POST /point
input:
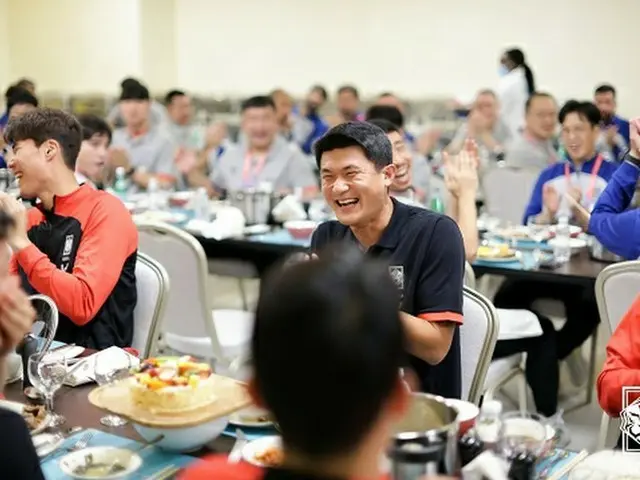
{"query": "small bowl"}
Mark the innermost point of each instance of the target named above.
(180, 199)
(187, 439)
(300, 229)
(101, 455)
(467, 414)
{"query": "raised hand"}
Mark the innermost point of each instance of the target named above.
(634, 143)
(550, 199)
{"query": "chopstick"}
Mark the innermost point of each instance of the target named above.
(165, 473)
(561, 472)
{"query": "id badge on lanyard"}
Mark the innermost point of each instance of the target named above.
(588, 196)
(251, 170)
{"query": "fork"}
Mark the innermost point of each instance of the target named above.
(79, 445)
(165, 473)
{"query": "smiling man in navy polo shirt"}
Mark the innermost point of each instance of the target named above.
(424, 249)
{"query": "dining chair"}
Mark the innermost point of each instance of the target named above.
(152, 285)
(507, 192)
(478, 336)
(45, 325)
(190, 325)
(617, 287)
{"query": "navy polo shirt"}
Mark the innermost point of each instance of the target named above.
(425, 254)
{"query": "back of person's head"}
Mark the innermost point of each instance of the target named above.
(605, 88)
(20, 96)
(388, 112)
(93, 125)
(587, 111)
(173, 94)
(12, 90)
(327, 347)
(349, 89)
(128, 82)
(48, 124)
(135, 91)
(385, 125)
(259, 101)
(26, 84)
(321, 90)
(371, 139)
(518, 59)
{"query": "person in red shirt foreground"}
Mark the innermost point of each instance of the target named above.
(327, 349)
(622, 366)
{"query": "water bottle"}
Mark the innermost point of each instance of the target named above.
(436, 204)
(201, 205)
(562, 240)
(121, 184)
(152, 189)
(489, 427)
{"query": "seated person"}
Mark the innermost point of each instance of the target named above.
(348, 106)
(423, 249)
(483, 125)
(78, 244)
(355, 393)
(19, 102)
(158, 112)
(581, 176)
(142, 149)
(534, 147)
(263, 156)
(536, 336)
(310, 114)
(94, 152)
(622, 365)
(614, 130)
(412, 182)
(17, 453)
(611, 223)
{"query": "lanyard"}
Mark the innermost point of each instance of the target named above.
(252, 168)
(593, 177)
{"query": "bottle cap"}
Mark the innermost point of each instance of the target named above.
(120, 171)
(492, 407)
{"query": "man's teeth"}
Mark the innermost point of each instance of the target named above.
(344, 203)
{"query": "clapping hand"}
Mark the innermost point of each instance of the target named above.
(610, 134)
(461, 171)
(634, 143)
(550, 199)
(16, 314)
(17, 235)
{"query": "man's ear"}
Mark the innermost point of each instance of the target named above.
(389, 173)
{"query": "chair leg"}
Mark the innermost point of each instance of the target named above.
(522, 393)
(588, 395)
(603, 432)
(243, 295)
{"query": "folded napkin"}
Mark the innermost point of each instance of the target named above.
(486, 465)
(515, 323)
(229, 222)
(82, 371)
(289, 209)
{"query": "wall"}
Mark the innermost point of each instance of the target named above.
(416, 48)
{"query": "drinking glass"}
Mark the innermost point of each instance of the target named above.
(47, 376)
(538, 233)
(108, 369)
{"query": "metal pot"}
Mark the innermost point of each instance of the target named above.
(255, 205)
(425, 442)
(599, 253)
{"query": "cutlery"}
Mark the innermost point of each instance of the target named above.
(236, 452)
(165, 473)
(570, 465)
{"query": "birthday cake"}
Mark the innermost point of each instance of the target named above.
(172, 384)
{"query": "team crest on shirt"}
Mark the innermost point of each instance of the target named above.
(397, 275)
(68, 245)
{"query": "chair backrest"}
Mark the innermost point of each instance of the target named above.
(478, 337)
(617, 286)
(507, 192)
(45, 325)
(469, 276)
(188, 311)
(152, 284)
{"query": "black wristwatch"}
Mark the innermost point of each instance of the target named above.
(631, 159)
(130, 172)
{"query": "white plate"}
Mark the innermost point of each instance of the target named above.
(161, 216)
(18, 407)
(257, 229)
(257, 447)
(101, 455)
(574, 243)
(46, 443)
(249, 418)
(67, 352)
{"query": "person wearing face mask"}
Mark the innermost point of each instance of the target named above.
(516, 85)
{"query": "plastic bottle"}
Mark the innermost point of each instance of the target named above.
(489, 426)
(121, 184)
(201, 205)
(152, 189)
(436, 204)
(469, 447)
(562, 241)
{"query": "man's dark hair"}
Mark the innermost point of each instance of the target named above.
(173, 94)
(327, 347)
(388, 112)
(128, 82)
(135, 91)
(45, 124)
(94, 125)
(321, 90)
(605, 88)
(259, 101)
(20, 96)
(26, 84)
(349, 89)
(535, 95)
(585, 110)
(12, 90)
(385, 125)
(371, 139)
